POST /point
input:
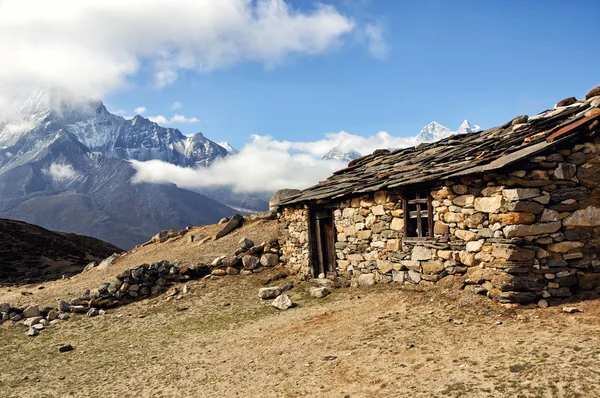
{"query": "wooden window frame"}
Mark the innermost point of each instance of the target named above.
(418, 201)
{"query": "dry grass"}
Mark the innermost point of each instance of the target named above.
(179, 251)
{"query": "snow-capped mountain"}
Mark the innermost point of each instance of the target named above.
(230, 149)
(435, 131)
(336, 154)
(466, 127)
(67, 169)
(111, 135)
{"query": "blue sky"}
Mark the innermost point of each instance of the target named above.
(486, 61)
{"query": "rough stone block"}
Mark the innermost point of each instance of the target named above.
(588, 217)
(421, 253)
(467, 236)
(512, 218)
(512, 231)
(489, 204)
(520, 193)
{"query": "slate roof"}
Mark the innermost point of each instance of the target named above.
(459, 155)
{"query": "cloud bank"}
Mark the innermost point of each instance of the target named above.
(93, 47)
(266, 164)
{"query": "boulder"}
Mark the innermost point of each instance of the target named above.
(512, 231)
(366, 279)
(107, 262)
(4, 308)
(235, 222)
(167, 234)
(593, 93)
(282, 302)
(63, 306)
(319, 292)
(280, 196)
(269, 292)
(31, 311)
(269, 259)
(32, 321)
(230, 261)
(250, 262)
(232, 271)
(90, 266)
(566, 102)
(92, 312)
(245, 243)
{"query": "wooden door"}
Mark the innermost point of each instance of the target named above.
(323, 243)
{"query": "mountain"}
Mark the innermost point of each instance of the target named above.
(69, 171)
(336, 154)
(31, 254)
(466, 127)
(230, 150)
(435, 131)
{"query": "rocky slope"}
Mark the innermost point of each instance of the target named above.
(31, 254)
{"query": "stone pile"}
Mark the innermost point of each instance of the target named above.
(247, 259)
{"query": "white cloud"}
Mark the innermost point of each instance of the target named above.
(61, 171)
(377, 45)
(177, 118)
(119, 112)
(176, 105)
(93, 47)
(139, 110)
(266, 164)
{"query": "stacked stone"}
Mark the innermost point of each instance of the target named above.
(368, 234)
(134, 283)
(293, 233)
(530, 233)
(248, 259)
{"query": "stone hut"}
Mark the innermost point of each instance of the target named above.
(512, 212)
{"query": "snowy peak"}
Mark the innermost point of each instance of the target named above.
(336, 154)
(435, 131)
(466, 127)
(230, 149)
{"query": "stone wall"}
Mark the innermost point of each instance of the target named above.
(293, 240)
(531, 232)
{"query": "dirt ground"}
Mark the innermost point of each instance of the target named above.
(221, 340)
(385, 341)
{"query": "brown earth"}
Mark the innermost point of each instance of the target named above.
(384, 341)
(29, 253)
